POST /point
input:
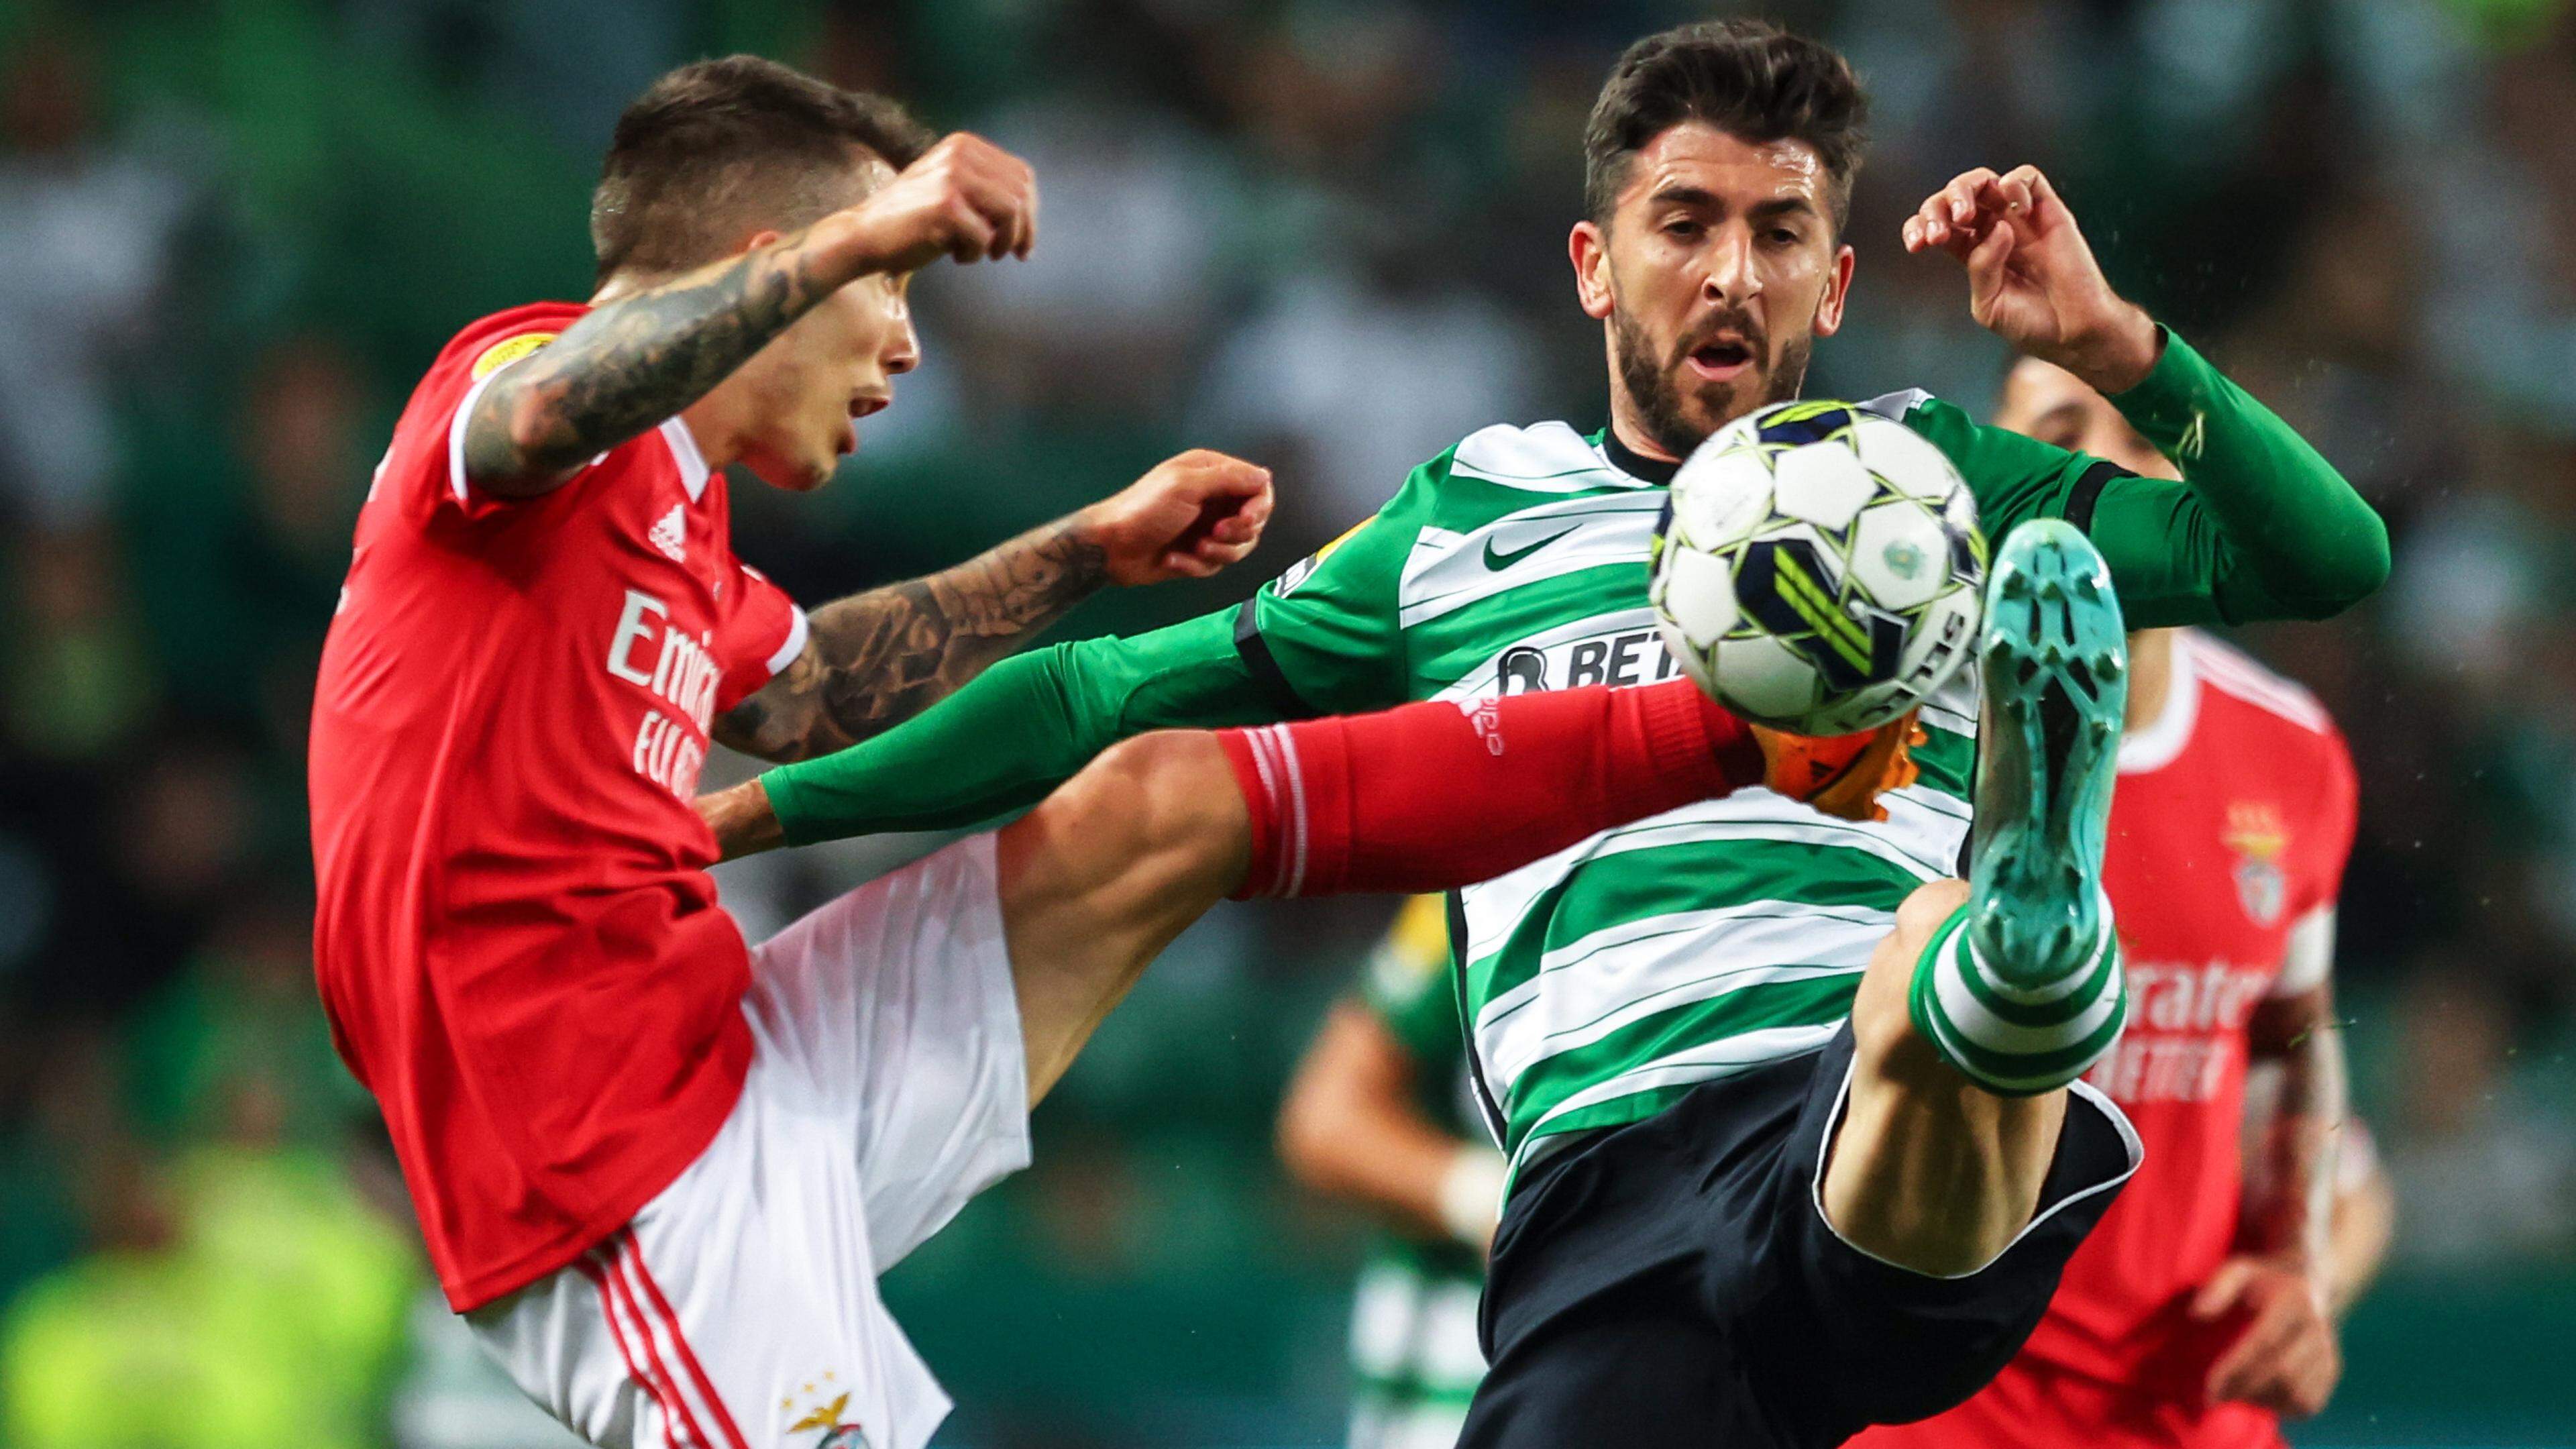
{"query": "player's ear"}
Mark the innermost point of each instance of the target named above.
(759, 239)
(1589, 249)
(1829, 308)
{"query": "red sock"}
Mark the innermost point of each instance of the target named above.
(1436, 796)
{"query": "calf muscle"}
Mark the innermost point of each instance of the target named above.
(1928, 1170)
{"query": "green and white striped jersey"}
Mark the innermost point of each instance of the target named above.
(1604, 981)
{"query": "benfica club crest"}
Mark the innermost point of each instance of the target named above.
(837, 1433)
(2257, 836)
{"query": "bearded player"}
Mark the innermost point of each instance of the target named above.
(658, 1171)
(2202, 1310)
(1796, 1138)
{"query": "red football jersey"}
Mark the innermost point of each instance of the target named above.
(517, 941)
(2234, 813)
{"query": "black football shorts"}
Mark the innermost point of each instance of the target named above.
(1673, 1282)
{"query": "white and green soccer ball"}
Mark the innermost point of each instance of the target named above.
(1818, 568)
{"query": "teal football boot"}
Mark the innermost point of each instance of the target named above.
(2022, 989)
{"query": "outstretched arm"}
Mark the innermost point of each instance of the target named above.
(636, 360)
(876, 659)
(1323, 639)
(1350, 1127)
(2262, 526)
(873, 660)
(1001, 743)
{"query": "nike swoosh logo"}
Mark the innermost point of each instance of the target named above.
(1498, 561)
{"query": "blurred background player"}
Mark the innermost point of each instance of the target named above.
(2202, 1310)
(1382, 1113)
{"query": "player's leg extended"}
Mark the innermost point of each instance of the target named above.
(1101, 876)
(1104, 874)
(1991, 995)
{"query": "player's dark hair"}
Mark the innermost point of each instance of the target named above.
(1748, 78)
(720, 148)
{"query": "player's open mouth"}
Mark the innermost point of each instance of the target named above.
(861, 406)
(1721, 361)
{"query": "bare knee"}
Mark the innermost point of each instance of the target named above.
(1923, 911)
(1096, 881)
(1177, 794)
(1146, 767)
(1151, 811)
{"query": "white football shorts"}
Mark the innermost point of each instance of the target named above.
(739, 1309)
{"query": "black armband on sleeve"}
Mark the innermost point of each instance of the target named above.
(2087, 492)
(1266, 674)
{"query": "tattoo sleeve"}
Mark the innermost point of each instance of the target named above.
(2290, 1181)
(876, 659)
(631, 364)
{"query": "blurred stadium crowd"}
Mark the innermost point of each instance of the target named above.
(1327, 234)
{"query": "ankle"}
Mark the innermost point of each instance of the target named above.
(2016, 1040)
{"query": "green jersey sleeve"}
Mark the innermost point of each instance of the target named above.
(1407, 986)
(2261, 527)
(1017, 731)
(1327, 634)
(1321, 639)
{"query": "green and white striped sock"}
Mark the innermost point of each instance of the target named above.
(2018, 1040)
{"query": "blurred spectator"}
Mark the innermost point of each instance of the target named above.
(234, 1292)
(1103, 315)
(79, 684)
(58, 1118)
(243, 544)
(235, 1297)
(2473, 586)
(185, 833)
(2484, 1179)
(236, 1046)
(1348, 380)
(86, 226)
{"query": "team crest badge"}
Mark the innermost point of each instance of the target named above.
(2256, 834)
(838, 1433)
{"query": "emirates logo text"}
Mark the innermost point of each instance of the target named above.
(683, 673)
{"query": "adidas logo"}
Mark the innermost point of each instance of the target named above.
(671, 535)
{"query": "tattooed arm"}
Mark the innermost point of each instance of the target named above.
(876, 659)
(640, 358)
(630, 364)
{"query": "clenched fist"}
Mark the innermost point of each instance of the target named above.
(966, 199)
(2032, 280)
(1189, 517)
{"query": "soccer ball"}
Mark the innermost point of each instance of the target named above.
(1818, 568)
